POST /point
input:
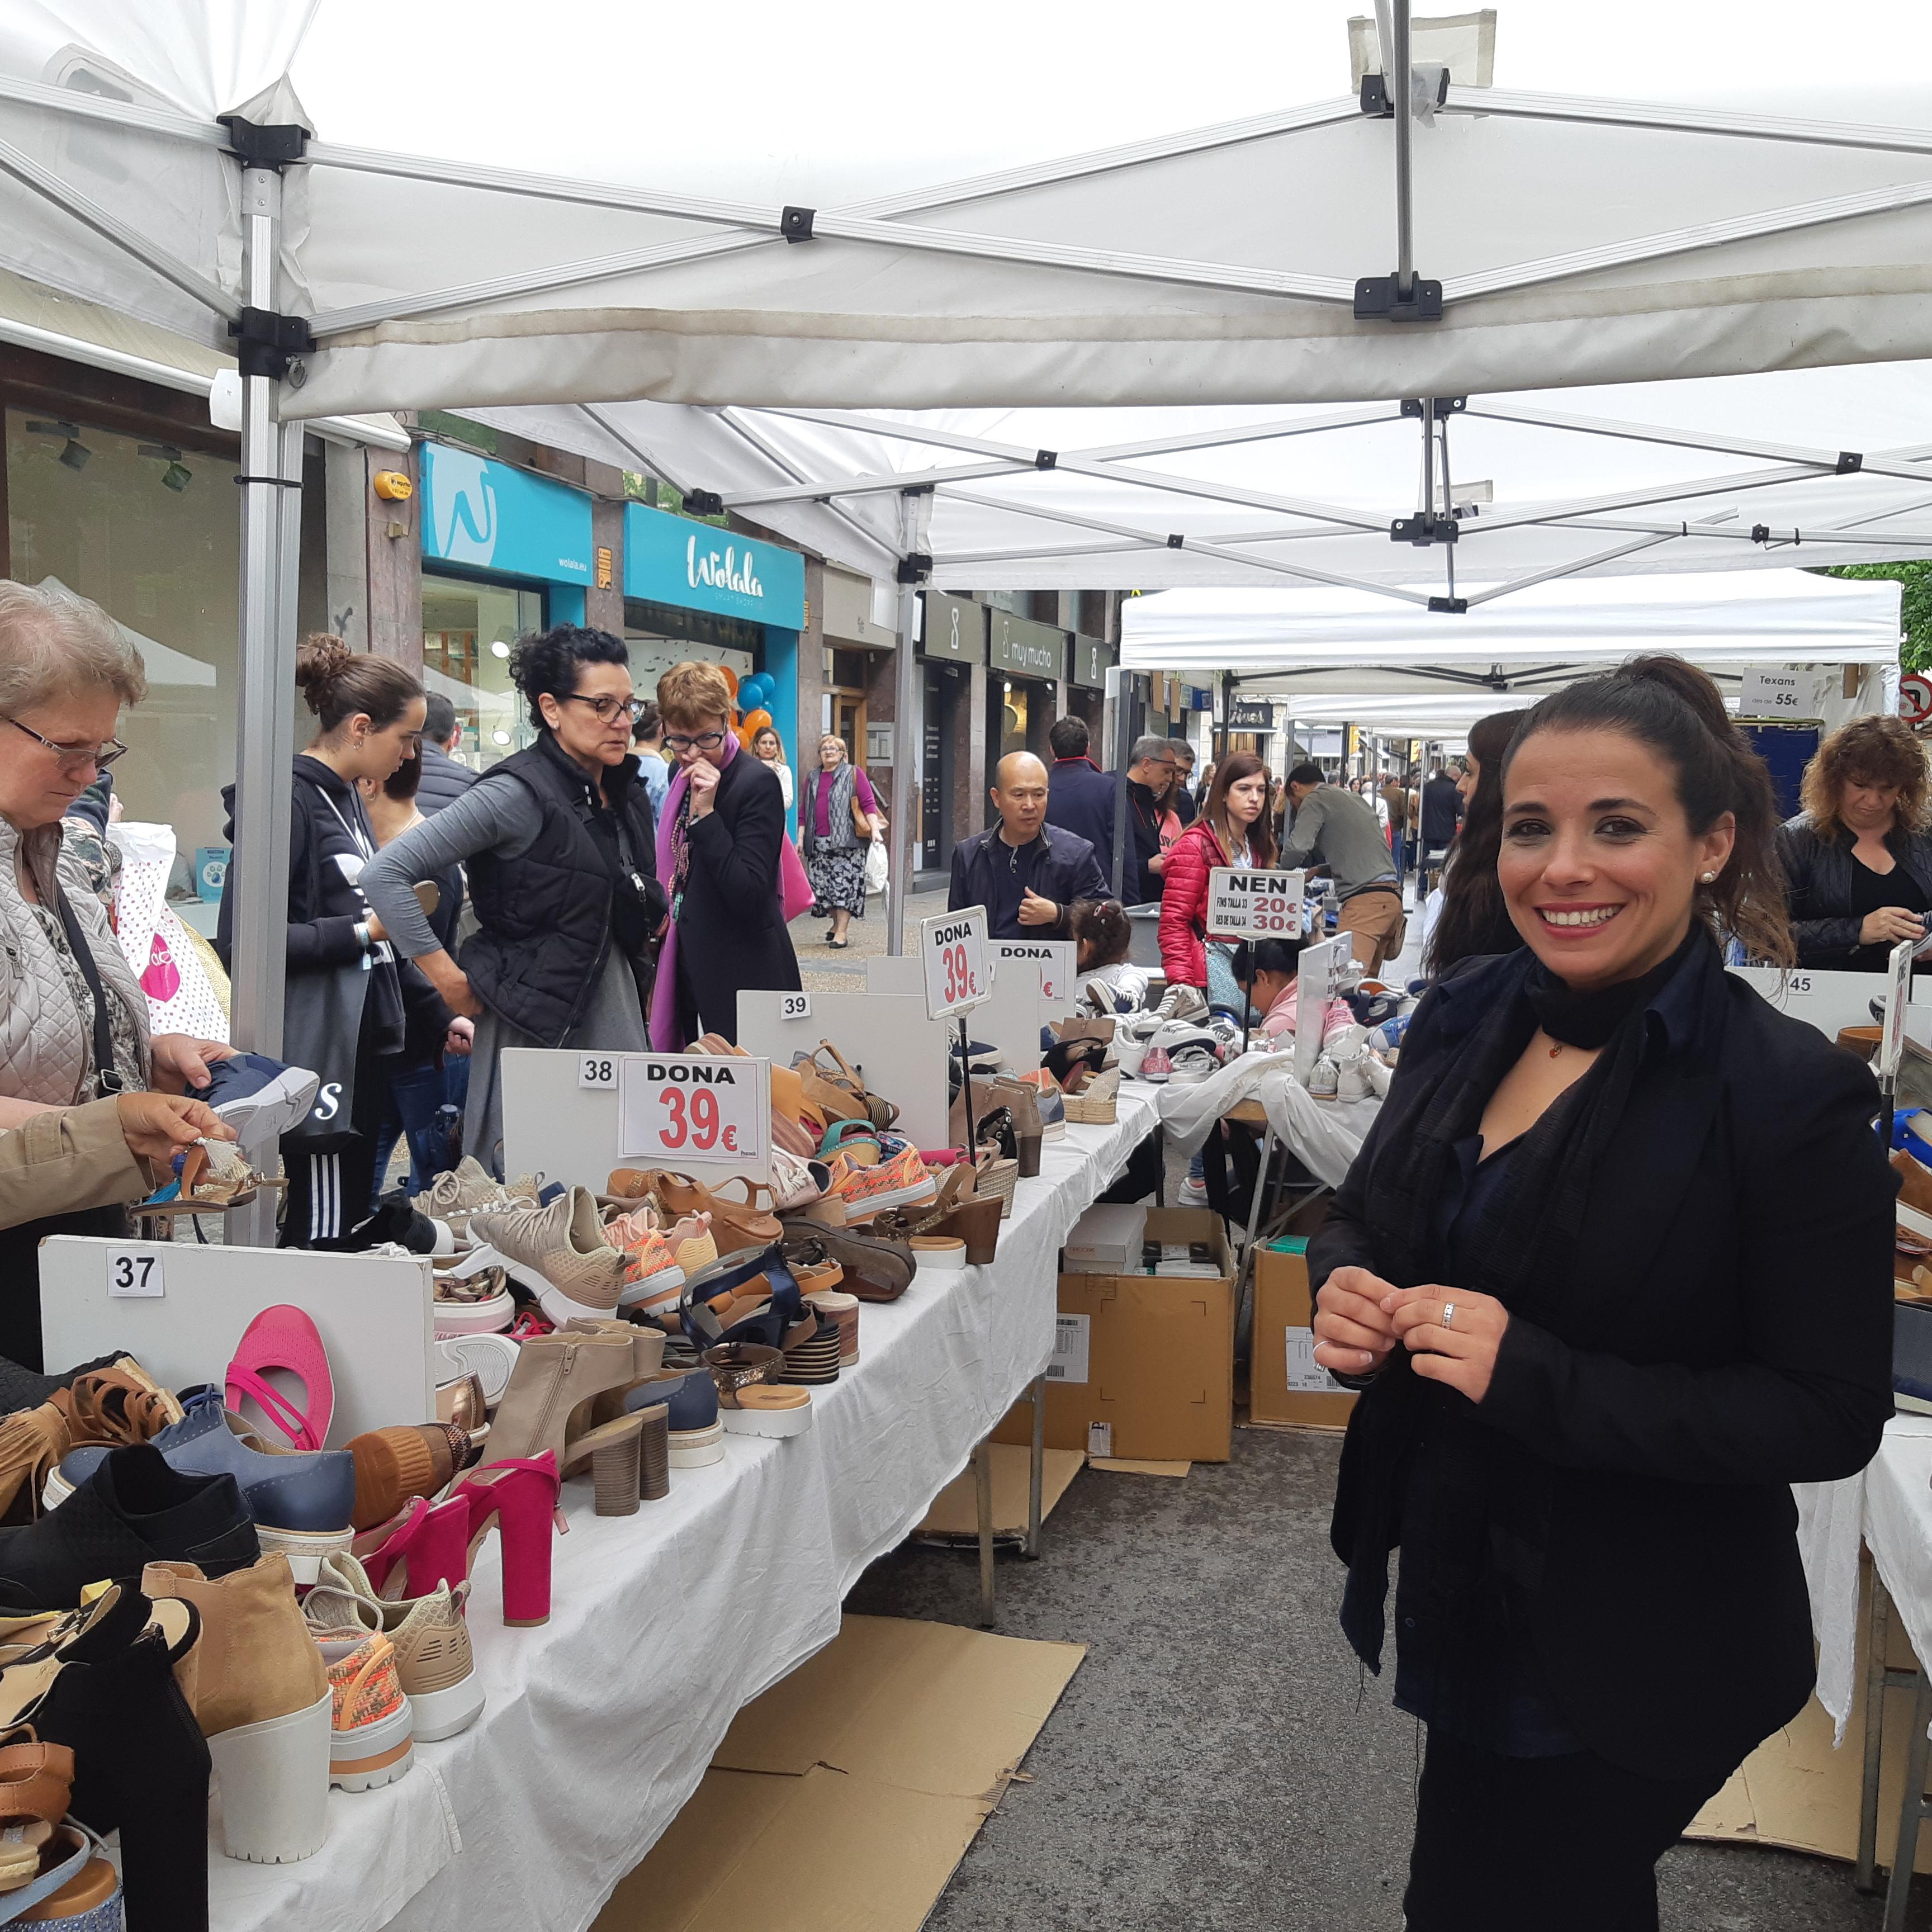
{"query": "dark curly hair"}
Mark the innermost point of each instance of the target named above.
(1873, 751)
(550, 661)
(1102, 925)
(1674, 709)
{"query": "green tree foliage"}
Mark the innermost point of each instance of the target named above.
(1915, 604)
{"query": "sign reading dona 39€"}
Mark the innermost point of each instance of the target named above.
(691, 1112)
(1242, 904)
(952, 953)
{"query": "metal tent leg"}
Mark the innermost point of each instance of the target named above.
(982, 1487)
(1036, 1472)
(1864, 1873)
(1913, 1809)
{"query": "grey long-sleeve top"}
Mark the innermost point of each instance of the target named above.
(1338, 830)
(499, 818)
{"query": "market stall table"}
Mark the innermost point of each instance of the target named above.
(600, 1723)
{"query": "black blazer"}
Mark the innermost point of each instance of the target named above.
(1818, 884)
(730, 929)
(1725, 1331)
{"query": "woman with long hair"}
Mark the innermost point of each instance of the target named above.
(1473, 919)
(1233, 829)
(1612, 1270)
(768, 748)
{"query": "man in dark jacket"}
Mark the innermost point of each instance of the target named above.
(1027, 875)
(1081, 797)
(1186, 806)
(1150, 778)
(1440, 803)
(444, 781)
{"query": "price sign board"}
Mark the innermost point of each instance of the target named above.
(1898, 992)
(1778, 694)
(1914, 698)
(692, 1113)
(1053, 957)
(1321, 968)
(1242, 904)
(957, 960)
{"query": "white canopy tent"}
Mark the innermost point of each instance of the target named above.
(1431, 238)
(1331, 656)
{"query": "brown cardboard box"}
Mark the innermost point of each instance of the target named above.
(1282, 1366)
(1158, 1367)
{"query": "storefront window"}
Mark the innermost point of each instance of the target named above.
(660, 635)
(468, 629)
(1013, 717)
(150, 533)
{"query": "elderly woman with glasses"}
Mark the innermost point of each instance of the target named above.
(73, 1021)
(719, 852)
(560, 845)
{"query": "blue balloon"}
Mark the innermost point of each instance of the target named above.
(755, 693)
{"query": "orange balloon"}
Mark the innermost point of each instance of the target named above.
(731, 679)
(754, 722)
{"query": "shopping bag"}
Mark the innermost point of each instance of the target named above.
(875, 866)
(795, 892)
(184, 995)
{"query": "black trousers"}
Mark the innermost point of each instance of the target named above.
(1529, 1844)
(20, 1275)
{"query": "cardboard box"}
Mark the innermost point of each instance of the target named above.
(1106, 1240)
(1144, 1365)
(1285, 1385)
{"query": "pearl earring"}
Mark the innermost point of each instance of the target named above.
(1706, 878)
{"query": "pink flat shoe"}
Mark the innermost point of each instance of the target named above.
(283, 1337)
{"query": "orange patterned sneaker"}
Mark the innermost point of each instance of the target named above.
(370, 1742)
(434, 1663)
(900, 1181)
(652, 1271)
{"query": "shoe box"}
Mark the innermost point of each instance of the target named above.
(1286, 1385)
(1143, 1364)
(1106, 1239)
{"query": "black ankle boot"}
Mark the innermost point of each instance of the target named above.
(141, 1765)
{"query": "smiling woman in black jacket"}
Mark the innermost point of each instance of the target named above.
(1613, 1269)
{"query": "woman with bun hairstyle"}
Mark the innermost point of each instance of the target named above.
(1613, 1270)
(558, 840)
(348, 1003)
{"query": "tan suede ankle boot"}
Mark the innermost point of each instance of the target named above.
(259, 1690)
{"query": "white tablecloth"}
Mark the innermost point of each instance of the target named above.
(600, 1724)
(1324, 1135)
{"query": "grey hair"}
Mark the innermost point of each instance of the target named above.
(1151, 747)
(53, 642)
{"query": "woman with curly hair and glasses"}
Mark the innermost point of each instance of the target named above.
(1858, 860)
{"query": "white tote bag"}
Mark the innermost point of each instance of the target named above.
(875, 865)
(181, 998)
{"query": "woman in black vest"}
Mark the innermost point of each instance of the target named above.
(559, 845)
(1613, 1270)
(718, 851)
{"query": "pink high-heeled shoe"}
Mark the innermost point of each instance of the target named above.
(521, 1494)
(426, 1543)
(284, 1337)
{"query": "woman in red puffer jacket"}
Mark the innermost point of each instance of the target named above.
(1233, 829)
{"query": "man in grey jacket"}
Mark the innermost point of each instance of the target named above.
(1340, 830)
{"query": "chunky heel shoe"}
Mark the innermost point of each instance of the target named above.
(409, 1554)
(520, 1497)
(615, 1453)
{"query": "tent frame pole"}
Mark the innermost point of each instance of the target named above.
(1398, 83)
(905, 684)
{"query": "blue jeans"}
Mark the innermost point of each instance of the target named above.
(418, 1095)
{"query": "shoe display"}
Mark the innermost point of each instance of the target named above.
(473, 1300)
(843, 1309)
(1156, 1068)
(764, 1409)
(371, 1739)
(260, 1694)
(689, 1396)
(872, 1266)
(519, 1495)
(261, 1098)
(300, 1500)
(283, 1338)
(491, 1359)
(900, 1180)
(735, 1225)
(393, 1465)
(750, 1297)
(559, 1253)
(424, 1544)
(469, 1189)
(548, 1408)
(435, 1664)
(131, 1511)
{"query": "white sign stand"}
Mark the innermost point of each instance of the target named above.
(1244, 903)
(1320, 966)
(1830, 1000)
(1055, 958)
(375, 1314)
(900, 1051)
(574, 1117)
(954, 959)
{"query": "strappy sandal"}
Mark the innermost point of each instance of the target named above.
(842, 1095)
(36, 1780)
(735, 1225)
(284, 1337)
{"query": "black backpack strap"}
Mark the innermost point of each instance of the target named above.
(107, 1081)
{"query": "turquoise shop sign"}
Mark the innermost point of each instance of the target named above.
(493, 517)
(671, 560)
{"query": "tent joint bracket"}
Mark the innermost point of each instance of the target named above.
(795, 223)
(915, 568)
(1383, 299)
(255, 146)
(265, 344)
(1456, 606)
(1425, 529)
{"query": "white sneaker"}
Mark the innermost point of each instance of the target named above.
(1193, 1193)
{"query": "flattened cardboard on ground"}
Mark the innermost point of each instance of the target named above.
(844, 1797)
(1160, 1358)
(955, 1514)
(1795, 1791)
(1114, 1466)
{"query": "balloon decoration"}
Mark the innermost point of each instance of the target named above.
(755, 721)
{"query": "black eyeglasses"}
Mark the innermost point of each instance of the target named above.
(100, 756)
(607, 708)
(705, 741)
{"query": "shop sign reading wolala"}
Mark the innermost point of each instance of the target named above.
(720, 570)
(671, 560)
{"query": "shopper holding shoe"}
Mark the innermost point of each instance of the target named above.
(558, 842)
(1858, 860)
(1613, 1270)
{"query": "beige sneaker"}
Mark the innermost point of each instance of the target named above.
(431, 1642)
(560, 1252)
(468, 1188)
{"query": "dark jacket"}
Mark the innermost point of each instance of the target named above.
(731, 934)
(1144, 812)
(548, 917)
(1725, 1331)
(443, 781)
(1069, 872)
(1818, 886)
(1441, 805)
(1081, 798)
